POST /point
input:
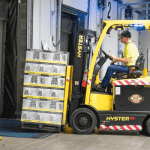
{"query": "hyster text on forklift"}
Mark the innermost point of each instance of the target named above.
(125, 105)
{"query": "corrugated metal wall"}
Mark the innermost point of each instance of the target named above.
(22, 47)
(3, 18)
(10, 86)
(2, 61)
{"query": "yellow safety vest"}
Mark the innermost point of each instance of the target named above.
(131, 52)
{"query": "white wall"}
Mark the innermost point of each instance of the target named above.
(134, 33)
(110, 43)
(44, 23)
(93, 15)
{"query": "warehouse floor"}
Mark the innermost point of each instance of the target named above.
(99, 140)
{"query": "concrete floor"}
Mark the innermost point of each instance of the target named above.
(101, 140)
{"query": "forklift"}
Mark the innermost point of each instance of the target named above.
(125, 105)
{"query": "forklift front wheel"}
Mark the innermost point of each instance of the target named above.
(148, 126)
(83, 121)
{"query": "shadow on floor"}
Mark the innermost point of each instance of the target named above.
(11, 128)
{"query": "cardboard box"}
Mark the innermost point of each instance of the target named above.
(44, 80)
(31, 67)
(43, 104)
(43, 92)
(58, 69)
(46, 68)
(45, 117)
(47, 56)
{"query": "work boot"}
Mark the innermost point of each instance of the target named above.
(99, 87)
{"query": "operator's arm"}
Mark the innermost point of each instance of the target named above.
(123, 60)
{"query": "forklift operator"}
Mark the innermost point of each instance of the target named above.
(129, 58)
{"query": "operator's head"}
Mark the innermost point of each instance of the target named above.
(125, 36)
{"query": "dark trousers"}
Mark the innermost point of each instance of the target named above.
(110, 70)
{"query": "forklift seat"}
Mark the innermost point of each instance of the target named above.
(133, 73)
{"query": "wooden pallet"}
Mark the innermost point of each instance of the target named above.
(40, 126)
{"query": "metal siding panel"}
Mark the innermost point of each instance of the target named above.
(36, 24)
(53, 24)
(44, 24)
(1, 54)
(45, 21)
(4, 10)
(21, 49)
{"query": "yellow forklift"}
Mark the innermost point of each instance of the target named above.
(125, 105)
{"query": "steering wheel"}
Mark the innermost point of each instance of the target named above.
(107, 56)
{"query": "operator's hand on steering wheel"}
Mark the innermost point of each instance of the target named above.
(112, 56)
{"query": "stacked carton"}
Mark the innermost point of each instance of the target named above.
(44, 87)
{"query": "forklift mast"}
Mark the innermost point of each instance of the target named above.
(81, 61)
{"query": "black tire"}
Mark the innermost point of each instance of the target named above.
(147, 126)
(83, 121)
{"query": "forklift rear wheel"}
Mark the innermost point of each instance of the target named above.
(148, 126)
(83, 121)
